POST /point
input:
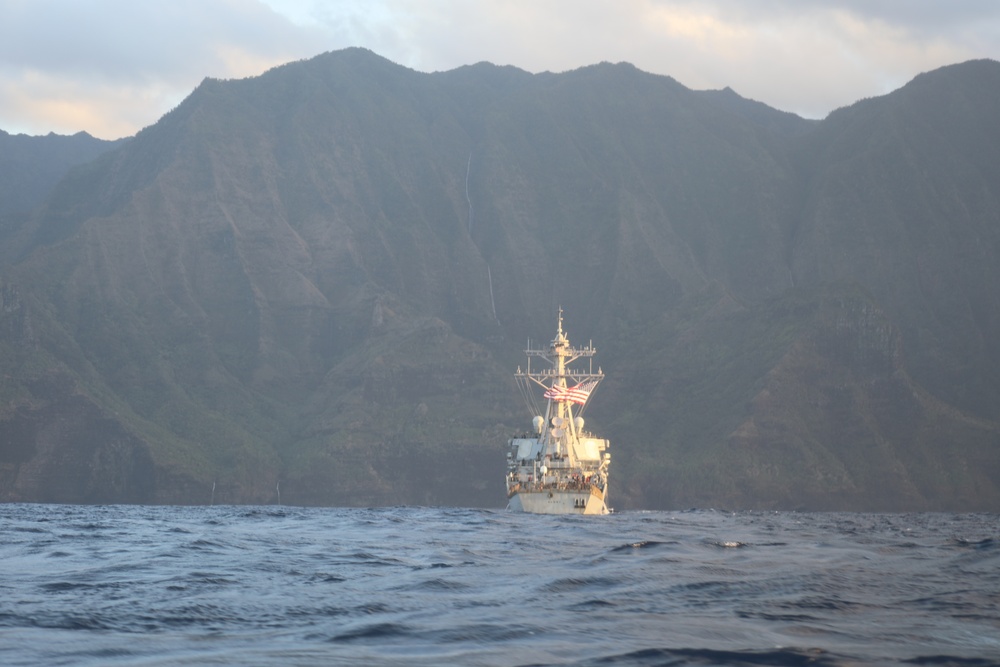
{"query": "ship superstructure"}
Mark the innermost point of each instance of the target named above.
(558, 467)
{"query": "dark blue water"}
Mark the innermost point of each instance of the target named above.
(130, 585)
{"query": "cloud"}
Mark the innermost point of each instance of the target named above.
(113, 66)
(809, 60)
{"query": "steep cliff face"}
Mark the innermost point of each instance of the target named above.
(800, 402)
(902, 197)
(316, 283)
(840, 413)
(59, 447)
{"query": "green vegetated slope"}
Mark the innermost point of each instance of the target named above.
(317, 282)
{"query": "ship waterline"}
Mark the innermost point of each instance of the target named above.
(559, 467)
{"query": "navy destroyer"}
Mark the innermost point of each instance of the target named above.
(558, 467)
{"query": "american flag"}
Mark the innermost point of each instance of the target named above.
(577, 394)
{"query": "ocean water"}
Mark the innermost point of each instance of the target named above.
(135, 585)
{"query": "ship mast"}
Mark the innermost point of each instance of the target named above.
(560, 349)
(558, 420)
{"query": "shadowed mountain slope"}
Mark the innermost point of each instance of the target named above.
(317, 282)
(31, 166)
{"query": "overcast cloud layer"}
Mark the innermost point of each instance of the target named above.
(111, 67)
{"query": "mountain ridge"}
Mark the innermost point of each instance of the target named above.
(321, 278)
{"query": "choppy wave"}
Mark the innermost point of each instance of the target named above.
(131, 585)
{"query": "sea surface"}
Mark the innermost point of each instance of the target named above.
(139, 585)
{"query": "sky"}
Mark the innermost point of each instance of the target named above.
(112, 67)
